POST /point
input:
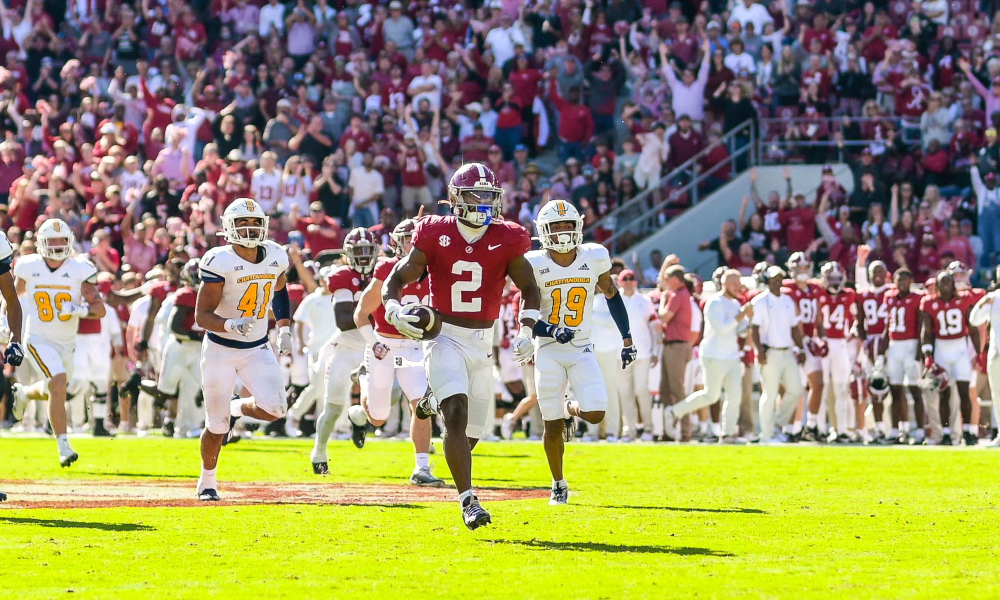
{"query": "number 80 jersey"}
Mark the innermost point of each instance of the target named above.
(247, 288)
(568, 292)
(46, 291)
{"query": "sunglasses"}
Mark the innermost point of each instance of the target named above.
(628, 278)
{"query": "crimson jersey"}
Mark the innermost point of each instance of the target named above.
(466, 279)
(187, 297)
(160, 290)
(346, 278)
(838, 312)
(808, 302)
(948, 319)
(414, 293)
(904, 323)
(873, 303)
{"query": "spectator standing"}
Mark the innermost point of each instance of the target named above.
(988, 209)
(655, 153)
(399, 29)
(576, 124)
(685, 144)
(687, 94)
(367, 187)
(645, 327)
(675, 314)
(320, 231)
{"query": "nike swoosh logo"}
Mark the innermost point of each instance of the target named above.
(495, 247)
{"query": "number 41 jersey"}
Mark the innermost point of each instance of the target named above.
(46, 291)
(247, 288)
(568, 292)
(466, 278)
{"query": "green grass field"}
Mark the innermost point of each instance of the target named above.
(645, 521)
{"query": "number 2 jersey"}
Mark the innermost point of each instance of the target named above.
(465, 278)
(48, 290)
(568, 292)
(414, 293)
(247, 287)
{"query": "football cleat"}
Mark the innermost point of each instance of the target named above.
(424, 478)
(208, 495)
(946, 440)
(357, 373)
(168, 428)
(321, 468)
(20, 400)
(426, 406)
(569, 429)
(811, 434)
(69, 459)
(100, 430)
(474, 515)
(971, 440)
(230, 437)
(358, 433)
(3, 497)
(507, 426)
(560, 495)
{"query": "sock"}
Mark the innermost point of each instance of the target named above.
(946, 431)
(423, 461)
(902, 426)
(207, 480)
(918, 433)
(703, 427)
(894, 432)
(812, 420)
(716, 430)
(236, 407)
(797, 427)
(880, 427)
(559, 484)
(62, 441)
(967, 428)
(466, 495)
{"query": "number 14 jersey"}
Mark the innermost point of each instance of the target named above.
(568, 292)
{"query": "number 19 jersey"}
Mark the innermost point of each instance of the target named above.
(247, 288)
(47, 290)
(568, 292)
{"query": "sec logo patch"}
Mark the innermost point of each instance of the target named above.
(444, 240)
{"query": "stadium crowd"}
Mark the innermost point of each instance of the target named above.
(137, 125)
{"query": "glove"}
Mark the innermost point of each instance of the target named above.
(242, 326)
(13, 355)
(403, 323)
(523, 346)
(929, 361)
(563, 335)
(380, 350)
(68, 309)
(628, 355)
(285, 341)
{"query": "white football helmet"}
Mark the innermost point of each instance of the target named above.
(833, 277)
(54, 240)
(250, 236)
(558, 211)
(799, 267)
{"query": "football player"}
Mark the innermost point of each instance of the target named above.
(903, 355)
(61, 289)
(180, 375)
(872, 286)
(391, 356)
(570, 273)
(806, 296)
(985, 313)
(238, 284)
(13, 354)
(467, 257)
(838, 308)
(348, 344)
(96, 338)
(315, 326)
(945, 335)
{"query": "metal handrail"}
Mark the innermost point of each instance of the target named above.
(657, 188)
(643, 221)
(833, 124)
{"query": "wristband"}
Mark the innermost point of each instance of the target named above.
(284, 329)
(927, 349)
(530, 313)
(369, 334)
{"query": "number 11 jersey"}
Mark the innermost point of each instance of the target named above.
(568, 292)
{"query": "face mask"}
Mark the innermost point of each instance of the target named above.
(802, 277)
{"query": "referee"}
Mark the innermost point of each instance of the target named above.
(777, 338)
(721, 354)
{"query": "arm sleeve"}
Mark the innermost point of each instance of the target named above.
(620, 314)
(280, 304)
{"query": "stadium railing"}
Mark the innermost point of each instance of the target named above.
(674, 193)
(775, 149)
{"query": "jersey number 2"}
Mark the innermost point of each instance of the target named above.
(254, 301)
(458, 303)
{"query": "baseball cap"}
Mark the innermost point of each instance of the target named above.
(235, 155)
(284, 103)
(494, 148)
(520, 148)
(775, 271)
(474, 107)
(317, 205)
(626, 274)
(395, 5)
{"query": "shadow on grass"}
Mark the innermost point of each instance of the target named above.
(378, 505)
(138, 475)
(479, 455)
(273, 449)
(64, 524)
(750, 511)
(614, 548)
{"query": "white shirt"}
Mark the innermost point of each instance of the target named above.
(365, 184)
(604, 333)
(316, 312)
(740, 62)
(266, 188)
(271, 14)
(640, 312)
(721, 328)
(501, 41)
(775, 316)
(934, 6)
(755, 14)
(979, 316)
(433, 97)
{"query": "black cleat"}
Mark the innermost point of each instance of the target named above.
(99, 430)
(971, 440)
(569, 429)
(168, 428)
(276, 429)
(560, 495)
(159, 398)
(69, 459)
(3, 497)
(810, 434)
(358, 433)
(230, 438)
(208, 495)
(946, 440)
(426, 407)
(321, 468)
(474, 514)
(424, 478)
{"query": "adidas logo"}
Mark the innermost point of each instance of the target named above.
(584, 267)
(65, 275)
(274, 263)
(587, 349)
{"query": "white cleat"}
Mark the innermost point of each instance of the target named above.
(507, 426)
(647, 437)
(560, 495)
(20, 400)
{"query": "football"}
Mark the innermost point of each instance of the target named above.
(429, 319)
